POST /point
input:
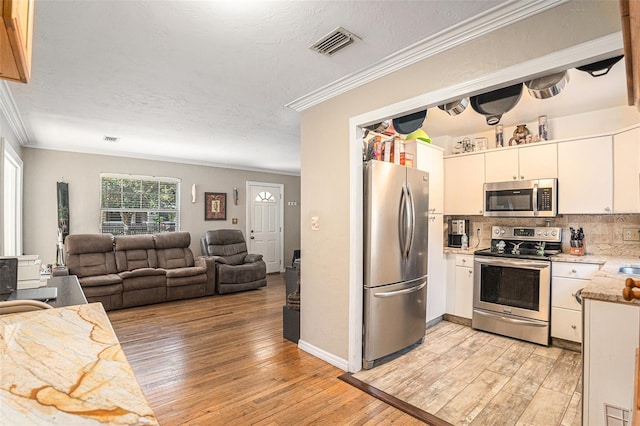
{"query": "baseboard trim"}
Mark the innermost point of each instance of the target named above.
(323, 355)
(457, 320)
(401, 405)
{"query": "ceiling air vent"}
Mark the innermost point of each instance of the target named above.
(336, 40)
(111, 139)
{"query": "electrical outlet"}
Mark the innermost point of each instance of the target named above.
(630, 234)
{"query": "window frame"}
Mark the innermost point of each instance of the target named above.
(143, 227)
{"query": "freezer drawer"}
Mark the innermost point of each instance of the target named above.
(394, 318)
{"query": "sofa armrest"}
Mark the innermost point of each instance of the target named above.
(209, 263)
(59, 271)
(252, 258)
(218, 259)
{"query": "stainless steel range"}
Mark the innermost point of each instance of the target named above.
(512, 282)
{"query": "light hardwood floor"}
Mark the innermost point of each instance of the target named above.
(222, 360)
(465, 376)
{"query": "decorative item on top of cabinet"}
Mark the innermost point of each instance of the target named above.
(16, 33)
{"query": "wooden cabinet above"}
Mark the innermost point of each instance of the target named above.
(630, 13)
(16, 34)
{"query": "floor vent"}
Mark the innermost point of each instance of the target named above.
(111, 139)
(336, 40)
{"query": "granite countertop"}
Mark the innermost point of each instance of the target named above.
(66, 366)
(454, 250)
(607, 283)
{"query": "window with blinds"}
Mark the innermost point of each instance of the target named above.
(132, 204)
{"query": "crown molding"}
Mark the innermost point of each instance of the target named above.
(493, 19)
(11, 113)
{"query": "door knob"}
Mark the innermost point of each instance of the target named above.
(253, 238)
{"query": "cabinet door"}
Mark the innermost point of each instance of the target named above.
(464, 292)
(429, 159)
(501, 165)
(626, 171)
(610, 341)
(566, 324)
(585, 176)
(563, 292)
(464, 184)
(436, 284)
(538, 161)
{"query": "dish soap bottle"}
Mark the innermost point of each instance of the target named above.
(465, 241)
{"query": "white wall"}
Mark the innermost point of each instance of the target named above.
(326, 182)
(43, 168)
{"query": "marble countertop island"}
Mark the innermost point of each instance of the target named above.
(66, 366)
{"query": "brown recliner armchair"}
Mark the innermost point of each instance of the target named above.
(236, 269)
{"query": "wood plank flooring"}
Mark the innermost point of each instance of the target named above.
(222, 360)
(468, 377)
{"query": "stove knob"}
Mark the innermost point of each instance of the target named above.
(539, 232)
(502, 231)
(497, 231)
(554, 233)
(546, 233)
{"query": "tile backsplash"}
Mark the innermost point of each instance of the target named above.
(603, 233)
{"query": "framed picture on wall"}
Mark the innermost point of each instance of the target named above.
(215, 206)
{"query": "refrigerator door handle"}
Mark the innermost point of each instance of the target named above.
(411, 222)
(402, 227)
(400, 292)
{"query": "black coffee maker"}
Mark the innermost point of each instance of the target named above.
(457, 228)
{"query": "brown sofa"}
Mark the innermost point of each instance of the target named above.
(133, 270)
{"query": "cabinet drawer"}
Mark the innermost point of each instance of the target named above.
(563, 292)
(566, 324)
(464, 260)
(574, 270)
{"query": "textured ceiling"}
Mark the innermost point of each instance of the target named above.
(204, 82)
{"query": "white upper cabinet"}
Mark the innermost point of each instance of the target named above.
(626, 171)
(585, 176)
(464, 185)
(522, 163)
(429, 159)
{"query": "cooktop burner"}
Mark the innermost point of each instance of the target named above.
(535, 243)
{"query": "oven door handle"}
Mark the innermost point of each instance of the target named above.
(512, 263)
(511, 320)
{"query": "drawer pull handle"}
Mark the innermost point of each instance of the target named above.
(574, 327)
(573, 271)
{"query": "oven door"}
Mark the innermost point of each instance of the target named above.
(514, 287)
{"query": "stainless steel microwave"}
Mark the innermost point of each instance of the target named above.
(523, 198)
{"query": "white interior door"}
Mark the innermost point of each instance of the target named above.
(264, 221)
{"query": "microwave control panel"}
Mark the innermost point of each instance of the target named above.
(545, 199)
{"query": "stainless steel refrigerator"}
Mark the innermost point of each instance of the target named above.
(396, 203)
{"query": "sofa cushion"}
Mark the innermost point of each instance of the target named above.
(227, 243)
(143, 272)
(88, 243)
(101, 280)
(239, 273)
(91, 264)
(134, 252)
(185, 272)
(166, 240)
(142, 282)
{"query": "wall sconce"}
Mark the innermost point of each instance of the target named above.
(193, 193)
(235, 196)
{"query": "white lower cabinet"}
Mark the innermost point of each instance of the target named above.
(462, 286)
(567, 279)
(610, 341)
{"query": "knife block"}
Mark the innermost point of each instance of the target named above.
(578, 251)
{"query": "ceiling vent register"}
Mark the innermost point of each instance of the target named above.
(335, 41)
